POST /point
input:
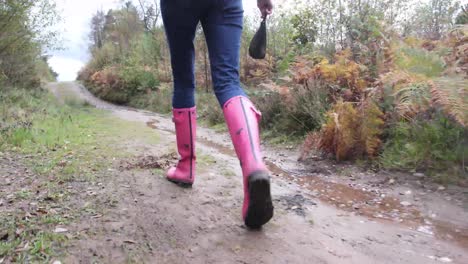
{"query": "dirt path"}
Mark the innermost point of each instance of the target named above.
(319, 218)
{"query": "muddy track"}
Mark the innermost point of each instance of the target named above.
(320, 217)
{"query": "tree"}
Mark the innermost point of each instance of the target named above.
(122, 26)
(462, 17)
(305, 27)
(26, 32)
(150, 13)
(97, 29)
(433, 19)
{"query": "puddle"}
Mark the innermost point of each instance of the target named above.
(295, 203)
(371, 205)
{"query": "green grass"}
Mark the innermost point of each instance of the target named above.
(23, 194)
(71, 140)
(205, 160)
(437, 146)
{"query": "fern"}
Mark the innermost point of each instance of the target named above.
(411, 100)
(311, 143)
(371, 128)
(349, 77)
(352, 131)
(450, 94)
(420, 61)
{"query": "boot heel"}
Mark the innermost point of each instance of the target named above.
(260, 209)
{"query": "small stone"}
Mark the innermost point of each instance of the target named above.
(405, 203)
(60, 230)
(445, 260)
(441, 188)
(391, 181)
(294, 207)
(418, 174)
(408, 192)
(57, 262)
(425, 230)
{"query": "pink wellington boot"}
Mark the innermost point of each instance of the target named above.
(185, 125)
(242, 120)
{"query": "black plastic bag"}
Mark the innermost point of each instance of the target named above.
(257, 48)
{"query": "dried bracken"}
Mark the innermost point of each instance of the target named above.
(451, 96)
(351, 132)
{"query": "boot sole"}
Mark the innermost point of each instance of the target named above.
(181, 183)
(260, 209)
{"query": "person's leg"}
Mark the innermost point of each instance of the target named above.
(180, 22)
(223, 29)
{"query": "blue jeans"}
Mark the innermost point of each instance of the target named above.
(222, 22)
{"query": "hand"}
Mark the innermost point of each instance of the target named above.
(265, 6)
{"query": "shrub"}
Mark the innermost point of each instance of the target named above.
(309, 104)
(209, 109)
(157, 101)
(108, 85)
(272, 107)
(138, 79)
(103, 57)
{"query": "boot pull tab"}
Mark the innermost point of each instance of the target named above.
(258, 114)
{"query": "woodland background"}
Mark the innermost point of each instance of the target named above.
(379, 82)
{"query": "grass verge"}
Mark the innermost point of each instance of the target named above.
(51, 155)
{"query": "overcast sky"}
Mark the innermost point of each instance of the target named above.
(76, 18)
